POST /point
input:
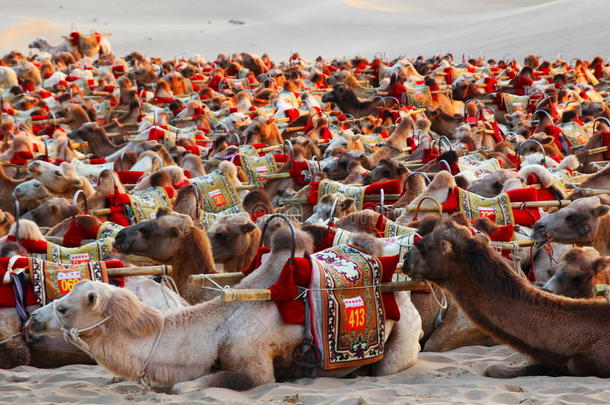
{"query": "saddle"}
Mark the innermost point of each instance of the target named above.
(478, 164)
(217, 193)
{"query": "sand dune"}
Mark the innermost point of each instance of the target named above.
(328, 28)
(437, 378)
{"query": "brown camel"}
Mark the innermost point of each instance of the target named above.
(347, 101)
(235, 240)
(52, 211)
(7, 187)
(560, 335)
(236, 346)
(173, 239)
(579, 270)
(584, 222)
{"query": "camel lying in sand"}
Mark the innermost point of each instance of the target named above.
(235, 345)
(560, 335)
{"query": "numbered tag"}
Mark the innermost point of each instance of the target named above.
(218, 197)
(355, 312)
(67, 281)
(488, 213)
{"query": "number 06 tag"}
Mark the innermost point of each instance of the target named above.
(355, 312)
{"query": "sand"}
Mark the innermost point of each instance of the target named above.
(437, 378)
(342, 28)
(330, 28)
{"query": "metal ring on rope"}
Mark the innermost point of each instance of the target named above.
(440, 143)
(577, 103)
(483, 109)
(520, 148)
(290, 148)
(75, 200)
(548, 97)
(434, 200)
(292, 232)
(111, 173)
(17, 210)
(597, 120)
(424, 175)
(541, 111)
(446, 164)
(331, 215)
(391, 98)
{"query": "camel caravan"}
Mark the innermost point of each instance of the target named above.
(189, 223)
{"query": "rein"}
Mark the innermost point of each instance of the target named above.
(71, 335)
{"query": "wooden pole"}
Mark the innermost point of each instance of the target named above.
(134, 271)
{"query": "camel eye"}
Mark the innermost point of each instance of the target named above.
(62, 310)
(36, 185)
(571, 218)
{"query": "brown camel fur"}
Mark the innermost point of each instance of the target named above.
(511, 310)
(235, 240)
(579, 270)
(173, 239)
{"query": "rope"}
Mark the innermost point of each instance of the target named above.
(71, 335)
(444, 303)
(142, 378)
(11, 337)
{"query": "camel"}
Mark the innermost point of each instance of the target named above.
(262, 131)
(511, 310)
(8, 78)
(384, 170)
(7, 188)
(227, 335)
(347, 102)
(492, 184)
(599, 180)
(235, 240)
(584, 222)
(337, 205)
(51, 212)
(172, 239)
(579, 270)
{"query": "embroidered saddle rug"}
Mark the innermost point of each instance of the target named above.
(254, 166)
(347, 312)
(108, 230)
(478, 164)
(418, 95)
(392, 246)
(145, 203)
(498, 209)
(91, 172)
(217, 193)
(94, 251)
(392, 229)
(575, 134)
(514, 102)
(356, 193)
(54, 280)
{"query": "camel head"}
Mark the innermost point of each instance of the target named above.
(437, 255)
(339, 93)
(160, 238)
(262, 130)
(386, 169)
(324, 208)
(232, 236)
(52, 211)
(31, 190)
(578, 222)
(90, 302)
(53, 177)
(88, 132)
(39, 43)
(492, 184)
(575, 273)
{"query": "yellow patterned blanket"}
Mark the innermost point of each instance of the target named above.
(514, 102)
(478, 164)
(145, 203)
(497, 209)
(393, 229)
(217, 193)
(91, 252)
(418, 95)
(255, 166)
(108, 230)
(54, 280)
(575, 134)
(331, 187)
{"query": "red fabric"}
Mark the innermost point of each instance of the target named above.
(97, 161)
(327, 242)
(32, 246)
(129, 177)
(504, 233)
(292, 114)
(520, 84)
(606, 142)
(389, 187)
(117, 203)
(7, 297)
(75, 234)
(21, 157)
(256, 262)
(390, 305)
(449, 75)
(556, 133)
(281, 158)
(296, 172)
(397, 90)
(325, 134)
(156, 134)
(429, 155)
(490, 84)
(183, 183)
(192, 149)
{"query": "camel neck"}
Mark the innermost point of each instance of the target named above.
(514, 312)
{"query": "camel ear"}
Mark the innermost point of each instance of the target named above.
(600, 211)
(249, 227)
(162, 211)
(546, 140)
(346, 204)
(599, 265)
(91, 298)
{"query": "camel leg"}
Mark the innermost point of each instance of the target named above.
(501, 371)
(222, 379)
(402, 346)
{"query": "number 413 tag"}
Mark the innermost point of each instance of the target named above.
(355, 312)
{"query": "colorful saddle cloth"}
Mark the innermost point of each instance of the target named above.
(371, 142)
(574, 133)
(498, 209)
(254, 166)
(392, 246)
(108, 230)
(514, 102)
(145, 203)
(94, 251)
(91, 172)
(418, 95)
(478, 164)
(392, 229)
(356, 193)
(346, 310)
(54, 280)
(217, 193)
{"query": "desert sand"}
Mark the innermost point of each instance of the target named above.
(342, 28)
(492, 28)
(438, 378)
